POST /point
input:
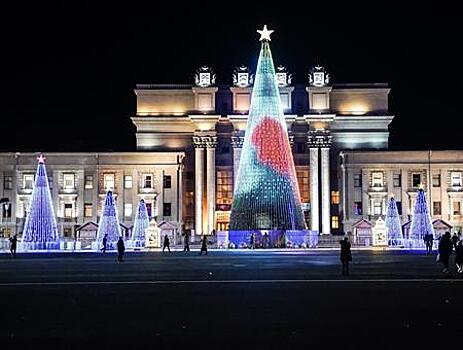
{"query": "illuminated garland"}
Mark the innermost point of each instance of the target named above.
(421, 221)
(140, 225)
(109, 222)
(394, 227)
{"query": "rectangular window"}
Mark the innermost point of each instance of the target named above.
(50, 182)
(436, 208)
(128, 181)
(167, 182)
(6, 210)
(399, 207)
(68, 210)
(436, 182)
(88, 210)
(357, 180)
(88, 182)
(396, 180)
(456, 208)
(28, 181)
(108, 182)
(455, 178)
(166, 209)
(334, 197)
(358, 208)
(416, 180)
(377, 179)
(224, 187)
(377, 208)
(149, 209)
(8, 182)
(335, 222)
(68, 181)
(300, 147)
(127, 210)
(148, 181)
(67, 232)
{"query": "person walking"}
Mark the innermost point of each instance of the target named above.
(266, 240)
(346, 255)
(203, 245)
(428, 240)
(445, 250)
(186, 242)
(455, 240)
(105, 242)
(166, 243)
(459, 257)
(252, 242)
(13, 244)
(120, 249)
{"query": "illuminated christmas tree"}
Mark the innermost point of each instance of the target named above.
(266, 191)
(394, 227)
(142, 222)
(40, 229)
(109, 222)
(421, 221)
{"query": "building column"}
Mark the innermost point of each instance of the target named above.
(199, 165)
(314, 204)
(325, 174)
(237, 141)
(211, 143)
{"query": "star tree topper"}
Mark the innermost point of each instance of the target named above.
(265, 34)
(41, 159)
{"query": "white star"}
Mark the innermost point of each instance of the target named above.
(265, 33)
(41, 159)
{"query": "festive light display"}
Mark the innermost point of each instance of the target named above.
(421, 221)
(266, 192)
(40, 229)
(393, 225)
(141, 225)
(109, 222)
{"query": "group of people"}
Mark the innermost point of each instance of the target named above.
(445, 249)
(120, 247)
(186, 243)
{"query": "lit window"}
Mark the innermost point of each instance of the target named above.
(396, 180)
(456, 208)
(416, 180)
(108, 180)
(335, 222)
(224, 187)
(377, 208)
(377, 179)
(455, 178)
(88, 210)
(8, 182)
(128, 181)
(357, 180)
(28, 181)
(303, 182)
(128, 209)
(436, 182)
(334, 197)
(88, 182)
(68, 181)
(148, 181)
(68, 210)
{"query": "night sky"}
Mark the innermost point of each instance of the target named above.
(69, 72)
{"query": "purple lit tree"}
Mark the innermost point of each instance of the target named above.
(393, 225)
(421, 221)
(141, 224)
(40, 229)
(109, 222)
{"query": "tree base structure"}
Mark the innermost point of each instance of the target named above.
(268, 239)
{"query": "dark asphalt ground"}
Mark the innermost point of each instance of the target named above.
(229, 299)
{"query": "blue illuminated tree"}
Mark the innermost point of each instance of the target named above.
(40, 229)
(109, 222)
(394, 227)
(421, 220)
(140, 225)
(266, 192)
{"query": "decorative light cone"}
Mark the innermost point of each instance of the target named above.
(141, 225)
(266, 191)
(40, 229)
(109, 222)
(393, 225)
(421, 221)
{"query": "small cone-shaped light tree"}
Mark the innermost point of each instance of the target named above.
(140, 226)
(266, 192)
(40, 229)
(109, 222)
(421, 221)
(393, 225)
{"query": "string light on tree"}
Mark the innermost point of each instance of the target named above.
(109, 222)
(393, 225)
(421, 221)
(140, 225)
